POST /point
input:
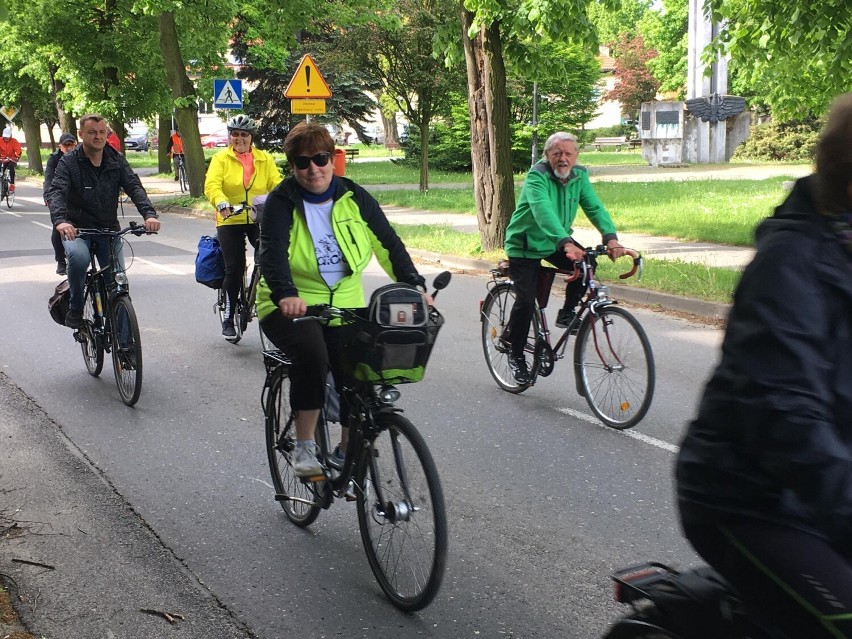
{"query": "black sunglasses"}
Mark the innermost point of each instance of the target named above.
(303, 161)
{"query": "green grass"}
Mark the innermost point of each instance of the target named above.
(719, 211)
(668, 276)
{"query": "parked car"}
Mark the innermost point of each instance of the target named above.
(136, 140)
(214, 140)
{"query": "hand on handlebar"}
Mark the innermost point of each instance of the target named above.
(152, 225)
(66, 231)
(616, 250)
(292, 307)
(574, 252)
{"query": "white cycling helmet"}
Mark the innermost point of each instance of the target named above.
(242, 122)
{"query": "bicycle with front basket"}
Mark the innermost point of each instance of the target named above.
(245, 310)
(6, 193)
(109, 320)
(388, 469)
(613, 362)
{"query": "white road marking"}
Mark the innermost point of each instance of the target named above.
(7, 212)
(167, 269)
(653, 441)
(47, 226)
(265, 483)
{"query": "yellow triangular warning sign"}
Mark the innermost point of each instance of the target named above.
(307, 82)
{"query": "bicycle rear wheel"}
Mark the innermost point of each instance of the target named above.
(615, 367)
(126, 350)
(182, 179)
(93, 350)
(298, 498)
(495, 320)
(401, 514)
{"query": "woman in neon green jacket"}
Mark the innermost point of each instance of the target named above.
(319, 233)
(236, 176)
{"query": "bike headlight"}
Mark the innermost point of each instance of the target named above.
(121, 279)
(603, 292)
(389, 394)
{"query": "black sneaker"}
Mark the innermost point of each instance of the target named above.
(228, 330)
(518, 367)
(61, 269)
(74, 318)
(564, 317)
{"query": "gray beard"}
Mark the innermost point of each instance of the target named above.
(562, 175)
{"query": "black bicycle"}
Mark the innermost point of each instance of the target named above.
(109, 321)
(180, 167)
(245, 310)
(613, 362)
(388, 469)
(6, 193)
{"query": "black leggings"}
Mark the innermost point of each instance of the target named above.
(58, 248)
(232, 239)
(314, 349)
(524, 273)
(792, 582)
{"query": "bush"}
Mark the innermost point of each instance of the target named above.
(782, 141)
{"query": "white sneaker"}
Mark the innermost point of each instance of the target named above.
(305, 462)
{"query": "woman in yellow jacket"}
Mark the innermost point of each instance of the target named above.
(237, 175)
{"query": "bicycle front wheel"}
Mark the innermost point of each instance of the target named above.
(93, 350)
(298, 498)
(401, 514)
(10, 198)
(615, 367)
(126, 350)
(495, 320)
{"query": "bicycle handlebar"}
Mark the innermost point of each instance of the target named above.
(601, 250)
(132, 228)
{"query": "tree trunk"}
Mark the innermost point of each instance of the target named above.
(67, 121)
(424, 101)
(186, 107)
(164, 133)
(32, 135)
(490, 136)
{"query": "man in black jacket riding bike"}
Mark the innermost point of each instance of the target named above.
(84, 194)
(764, 474)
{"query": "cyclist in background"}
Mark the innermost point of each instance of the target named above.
(175, 149)
(237, 175)
(84, 193)
(319, 233)
(112, 139)
(10, 153)
(540, 229)
(764, 474)
(66, 143)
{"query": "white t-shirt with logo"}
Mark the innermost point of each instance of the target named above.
(332, 265)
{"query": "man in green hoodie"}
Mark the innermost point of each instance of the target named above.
(540, 229)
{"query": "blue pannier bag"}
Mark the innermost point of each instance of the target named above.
(209, 263)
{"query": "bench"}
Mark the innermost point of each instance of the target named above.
(635, 143)
(614, 141)
(351, 153)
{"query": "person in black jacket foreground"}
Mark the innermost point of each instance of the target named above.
(764, 474)
(66, 143)
(84, 194)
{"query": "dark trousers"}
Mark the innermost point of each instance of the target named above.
(314, 349)
(11, 166)
(232, 240)
(792, 582)
(524, 273)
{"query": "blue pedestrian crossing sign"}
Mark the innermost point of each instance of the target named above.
(227, 94)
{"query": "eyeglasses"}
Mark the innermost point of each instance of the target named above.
(241, 134)
(303, 161)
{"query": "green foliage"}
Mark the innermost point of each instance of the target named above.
(665, 31)
(789, 142)
(798, 56)
(611, 24)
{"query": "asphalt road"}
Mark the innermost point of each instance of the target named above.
(543, 502)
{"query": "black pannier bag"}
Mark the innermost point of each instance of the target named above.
(57, 305)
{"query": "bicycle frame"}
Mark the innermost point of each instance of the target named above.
(105, 293)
